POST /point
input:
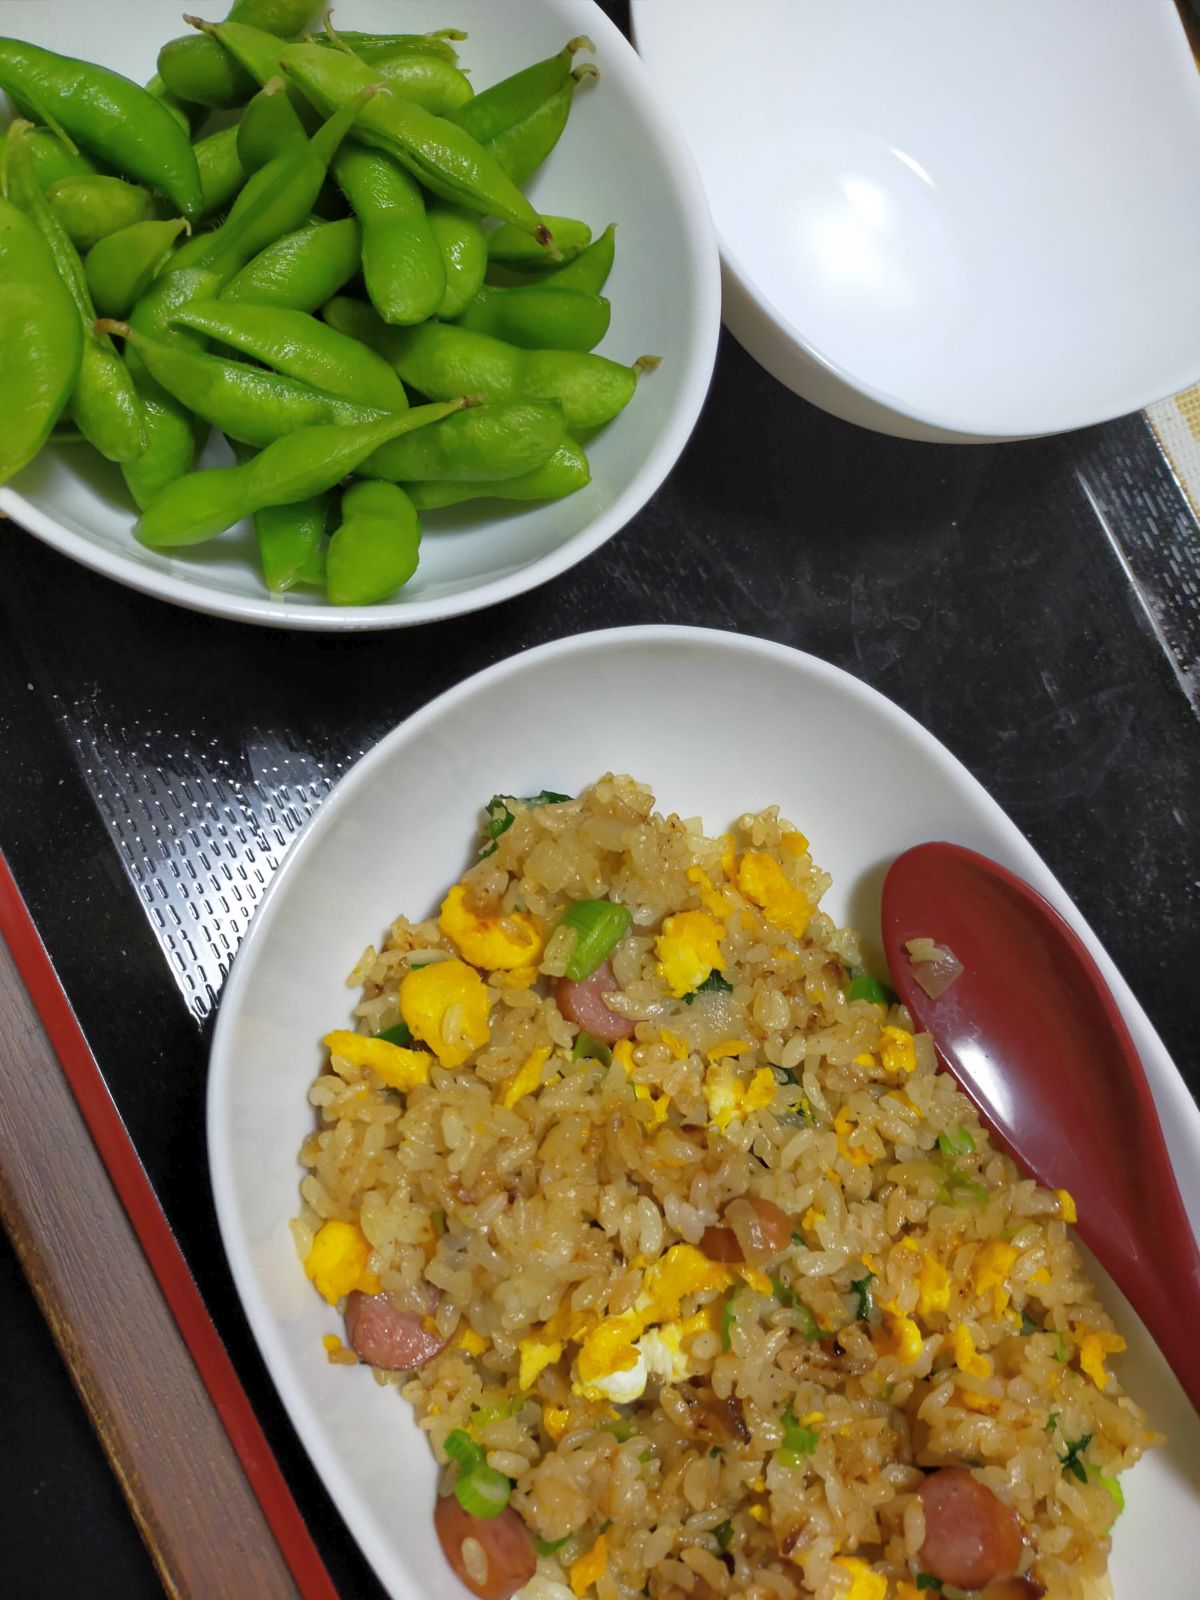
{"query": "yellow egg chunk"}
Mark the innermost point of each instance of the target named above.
(446, 992)
(900, 1336)
(795, 844)
(337, 1261)
(527, 1079)
(1093, 1348)
(399, 1067)
(688, 949)
(731, 1099)
(865, 1584)
(682, 1271)
(556, 1420)
(535, 1357)
(898, 1051)
(1066, 1205)
(762, 880)
(966, 1358)
(933, 1287)
(497, 944)
(989, 1271)
(473, 1343)
(590, 1568)
(714, 900)
(843, 1125)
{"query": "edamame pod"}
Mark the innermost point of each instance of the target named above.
(375, 47)
(439, 359)
(460, 238)
(198, 69)
(521, 149)
(108, 115)
(427, 81)
(41, 341)
(121, 267)
(401, 261)
(439, 153)
(514, 99)
(290, 542)
(221, 170)
(299, 466)
(248, 403)
(269, 126)
(300, 347)
(303, 269)
(511, 248)
(104, 403)
(376, 546)
(590, 269)
(51, 159)
(566, 472)
(90, 208)
(188, 116)
(538, 318)
(488, 442)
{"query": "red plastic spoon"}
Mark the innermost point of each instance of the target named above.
(1033, 1035)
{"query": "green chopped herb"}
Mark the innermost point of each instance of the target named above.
(484, 1416)
(464, 1451)
(483, 1492)
(797, 1238)
(1062, 1352)
(1052, 1422)
(1113, 1489)
(547, 1547)
(599, 926)
(862, 1288)
(399, 1034)
(1072, 1461)
(783, 1293)
(797, 1442)
(715, 983)
(621, 1428)
(714, 1450)
(811, 1330)
(723, 1534)
(960, 1185)
(958, 1142)
(646, 1455)
(500, 815)
(588, 1047)
(863, 986)
(728, 1318)
(926, 1580)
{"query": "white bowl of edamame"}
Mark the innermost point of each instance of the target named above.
(620, 160)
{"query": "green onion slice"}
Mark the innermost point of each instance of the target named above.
(500, 815)
(588, 1047)
(715, 983)
(863, 986)
(399, 1033)
(958, 1142)
(599, 926)
(797, 1442)
(464, 1451)
(483, 1492)
(547, 1547)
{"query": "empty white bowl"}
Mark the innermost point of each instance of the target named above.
(620, 160)
(780, 727)
(948, 221)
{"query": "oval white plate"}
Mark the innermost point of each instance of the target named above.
(719, 725)
(942, 220)
(621, 160)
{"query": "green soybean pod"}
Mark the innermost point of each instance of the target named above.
(299, 466)
(196, 68)
(41, 341)
(514, 99)
(401, 260)
(269, 126)
(121, 267)
(290, 538)
(188, 116)
(375, 547)
(566, 472)
(90, 208)
(590, 269)
(376, 47)
(440, 154)
(521, 149)
(303, 269)
(439, 359)
(463, 247)
(296, 344)
(52, 160)
(428, 81)
(104, 403)
(538, 318)
(488, 442)
(509, 247)
(247, 403)
(221, 172)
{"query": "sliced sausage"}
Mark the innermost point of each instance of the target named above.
(506, 1543)
(759, 1232)
(395, 1340)
(971, 1537)
(721, 1244)
(1025, 1587)
(584, 1003)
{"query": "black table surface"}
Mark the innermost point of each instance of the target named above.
(1010, 597)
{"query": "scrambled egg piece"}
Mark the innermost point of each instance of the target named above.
(933, 1287)
(682, 1271)
(535, 1357)
(730, 1099)
(843, 1125)
(966, 1358)
(337, 1261)
(988, 1404)
(898, 1051)
(609, 1364)
(399, 1067)
(665, 1357)
(660, 1104)
(762, 880)
(688, 949)
(556, 1420)
(990, 1270)
(1093, 1348)
(794, 843)
(590, 1567)
(441, 994)
(899, 1336)
(677, 1046)
(527, 1079)
(1066, 1205)
(473, 1343)
(864, 1583)
(729, 1047)
(498, 944)
(714, 900)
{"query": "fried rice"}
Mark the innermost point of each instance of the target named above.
(713, 1303)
